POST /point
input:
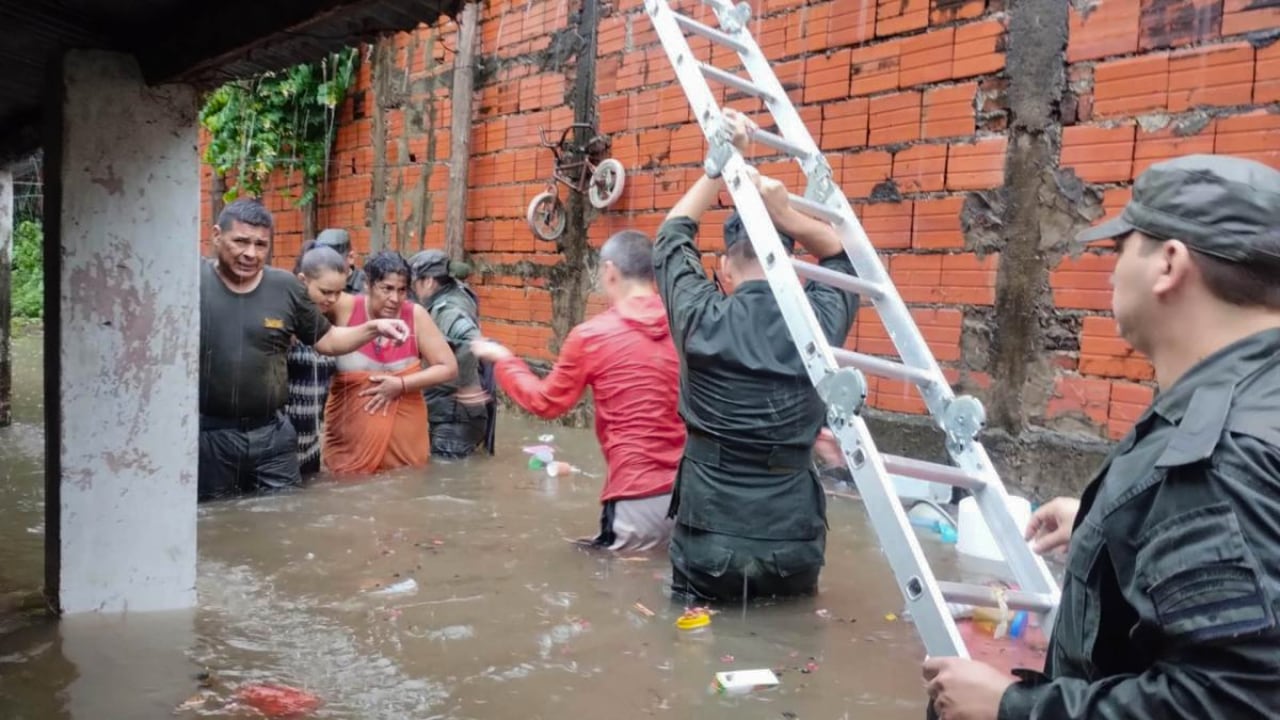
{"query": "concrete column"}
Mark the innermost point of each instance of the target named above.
(122, 338)
(6, 297)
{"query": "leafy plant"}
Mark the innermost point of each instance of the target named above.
(28, 271)
(277, 120)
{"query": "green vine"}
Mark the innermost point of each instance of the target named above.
(283, 120)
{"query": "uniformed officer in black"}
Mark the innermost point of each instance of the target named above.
(1172, 584)
(750, 512)
(340, 241)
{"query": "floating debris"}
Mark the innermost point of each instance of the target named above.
(640, 608)
(403, 587)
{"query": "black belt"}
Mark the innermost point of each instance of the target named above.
(243, 424)
(707, 450)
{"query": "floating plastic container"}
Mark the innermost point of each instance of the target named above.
(741, 682)
(975, 538)
(694, 625)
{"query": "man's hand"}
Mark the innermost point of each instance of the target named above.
(740, 127)
(489, 351)
(773, 192)
(396, 330)
(382, 390)
(1051, 524)
(965, 689)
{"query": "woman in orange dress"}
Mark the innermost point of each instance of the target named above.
(375, 418)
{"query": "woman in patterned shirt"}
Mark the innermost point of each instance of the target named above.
(323, 273)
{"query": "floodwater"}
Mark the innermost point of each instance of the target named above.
(505, 619)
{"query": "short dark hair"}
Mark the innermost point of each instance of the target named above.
(1247, 285)
(384, 264)
(631, 252)
(315, 259)
(249, 211)
(737, 242)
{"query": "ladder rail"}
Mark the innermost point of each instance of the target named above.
(959, 418)
(818, 359)
(1029, 569)
(912, 572)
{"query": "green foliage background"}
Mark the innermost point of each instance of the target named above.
(28, 271)
(277, 120)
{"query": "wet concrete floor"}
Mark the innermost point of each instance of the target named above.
(507, 619)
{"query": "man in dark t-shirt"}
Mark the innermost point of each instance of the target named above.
(248, 314)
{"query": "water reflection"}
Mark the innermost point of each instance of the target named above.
(505, 620)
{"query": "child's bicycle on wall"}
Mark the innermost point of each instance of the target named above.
(582, 168)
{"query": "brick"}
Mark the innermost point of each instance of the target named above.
(898, 16)
(936, 224)
(875, 68)
(1132, 394)
(1104, 353)
(850, 24)
(921, 168)
(808, 32)
(1114, 200)
(1219, 75)
(1178, 23)
(1252, 136)
(969, 279)
(827, 77)
(977, 166)
(1131, 85)
(948, 111)
(688, 145)
(1266, 78)
(898, 396)
(894, 118)
(926, 58)
(978, 49)
(888, 225)
(1099, 154)
(1079, 396)
(1128, 403)
(1167, 144)
(1239, 18)
(941, 329)
(844, 124)
(862, 171)
(1083, 283)
(950, 11)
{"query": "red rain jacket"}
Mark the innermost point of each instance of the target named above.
(625, 354)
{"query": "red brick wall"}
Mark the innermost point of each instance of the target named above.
(906, 97)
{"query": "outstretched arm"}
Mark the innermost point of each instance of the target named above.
(548, 397)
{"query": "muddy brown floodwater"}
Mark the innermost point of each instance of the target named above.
(506, 619)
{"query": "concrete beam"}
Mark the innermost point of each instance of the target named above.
(122, 338)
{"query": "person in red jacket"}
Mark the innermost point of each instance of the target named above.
(626, 356)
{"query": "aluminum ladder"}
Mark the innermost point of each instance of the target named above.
(838, 373)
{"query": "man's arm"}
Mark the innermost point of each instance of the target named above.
(816, 236)
(548, 397)
(342, 340)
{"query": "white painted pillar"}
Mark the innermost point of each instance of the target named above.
(6, 294)
(121, 375)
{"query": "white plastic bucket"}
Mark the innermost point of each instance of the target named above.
(975, 537)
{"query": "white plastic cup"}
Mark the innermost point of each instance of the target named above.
(975, 538)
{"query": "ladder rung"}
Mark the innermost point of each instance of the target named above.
(932, 472)
(817, 210)
(734, 81)
(779, 143)
(868, 290)
(882, 367)
(709, 32)
(986, 597)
